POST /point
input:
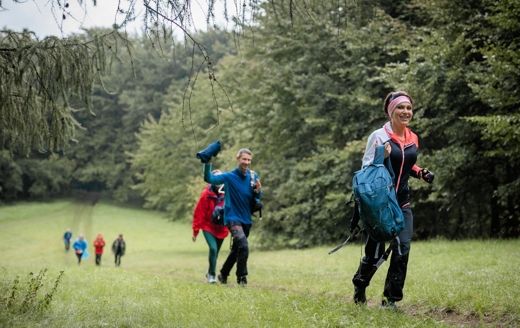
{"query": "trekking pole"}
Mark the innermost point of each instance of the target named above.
(385, 255)
(343, 244)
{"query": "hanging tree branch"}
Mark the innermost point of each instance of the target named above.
(43, 82)
(194, 73)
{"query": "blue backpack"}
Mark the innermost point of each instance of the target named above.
(374, 193)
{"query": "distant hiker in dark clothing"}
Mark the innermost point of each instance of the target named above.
(119, 247)
(80, 248)
(66, 239)
(99, 244)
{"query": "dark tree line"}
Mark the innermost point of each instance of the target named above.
(303, 87)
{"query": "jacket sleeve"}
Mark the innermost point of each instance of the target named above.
(415, 171)
(370, 149)
(199, 213)
(211, 178)
(377, 138)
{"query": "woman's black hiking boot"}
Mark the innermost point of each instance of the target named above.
(359, 295)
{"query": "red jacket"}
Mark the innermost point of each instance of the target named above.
(98, 245)
(202, 215)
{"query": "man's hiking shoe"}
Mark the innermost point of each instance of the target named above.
(211, 279)
(359, 295)
(388, 304)
(222, 279)
(242, 281)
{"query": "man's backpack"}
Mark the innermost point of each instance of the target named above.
(256, 201)
(217, 217)
(376, 200)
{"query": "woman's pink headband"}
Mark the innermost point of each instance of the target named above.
(393, 104)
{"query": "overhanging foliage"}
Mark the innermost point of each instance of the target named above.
(43, 82)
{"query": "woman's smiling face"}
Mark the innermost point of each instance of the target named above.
(402, 114)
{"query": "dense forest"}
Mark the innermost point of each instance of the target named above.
(303, 90)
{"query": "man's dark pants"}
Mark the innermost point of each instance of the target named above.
(239, 251)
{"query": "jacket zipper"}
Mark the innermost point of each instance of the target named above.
(401, 146)
(401, 168)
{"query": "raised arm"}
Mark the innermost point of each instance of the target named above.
(210, 177)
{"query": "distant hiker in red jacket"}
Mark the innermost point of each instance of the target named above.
(99, 244)
(208, 217)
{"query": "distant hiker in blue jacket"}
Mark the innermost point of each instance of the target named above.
(80, 248)
(66, 239)
(401, 145)
(242, 187)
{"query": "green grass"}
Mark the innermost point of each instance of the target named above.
(161, 280)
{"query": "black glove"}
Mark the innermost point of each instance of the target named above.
(427, 175)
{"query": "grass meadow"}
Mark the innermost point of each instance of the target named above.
(161, 280)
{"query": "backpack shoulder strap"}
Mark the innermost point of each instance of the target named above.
(252, 174)
(379, 158)
(379, 155)
(388, 165)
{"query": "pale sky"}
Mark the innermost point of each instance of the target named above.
(39, 16)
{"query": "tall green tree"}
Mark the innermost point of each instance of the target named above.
(38, 78)
(311, 91)
(303, 92)
(136, 89)
(450, 62)
(195, 107)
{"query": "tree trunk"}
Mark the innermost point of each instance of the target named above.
(511, 225)
(495, 218)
